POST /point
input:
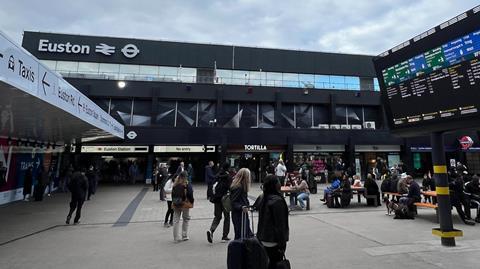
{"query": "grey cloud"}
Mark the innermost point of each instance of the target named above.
(353, 26)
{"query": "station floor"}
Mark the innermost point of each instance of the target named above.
(122, 227)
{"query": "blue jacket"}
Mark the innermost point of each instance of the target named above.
(209, 176)
(335, 184)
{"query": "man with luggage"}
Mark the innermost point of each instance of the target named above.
(78, 187)
(222, 186)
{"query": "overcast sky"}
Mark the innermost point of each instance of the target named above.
(349, 26)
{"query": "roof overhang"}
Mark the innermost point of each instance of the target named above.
(38, 104)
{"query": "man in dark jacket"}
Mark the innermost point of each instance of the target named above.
(221, 189)
(414, 193)
(78, 187)
(472, 193)
(457, 198)
(209, 179)
(273, 229)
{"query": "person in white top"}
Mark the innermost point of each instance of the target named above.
(280, 171)
(168, 196)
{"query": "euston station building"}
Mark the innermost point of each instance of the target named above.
(245, 105)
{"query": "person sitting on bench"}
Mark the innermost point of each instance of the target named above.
(472, 194)
(371, 188)
(301, 191)
(402, 185)
(414, 194)
(428, 184)
(330, 189)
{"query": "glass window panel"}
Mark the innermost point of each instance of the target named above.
(168, 73)
(230, 116)
(67, 66)
(223, 76)
(148, 70)
(109, 68)
(166, 114)
(355, 115)
(341, 113)
(303, 115)
(207, 113)
(373, 114)
(188, 75)
(84, 67)
(286, 119)
(307, 80)
(337, 82)
(129, 69)
(257, 78)
(352, 83)
(320, 115)
(186, 114)
(266, 116)
(121, 110)
(50, 64)
(142, 112)
(291, 80)
(240, 77)
(248, 115)
(376, 86)
(274, 79)
(322, 82)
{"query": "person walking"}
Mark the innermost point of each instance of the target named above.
(162, 178)
(240, 204)
(180, 169)
(182, 201)
(92, 182)
(221, 189)
(78, 187)
(280, 171)
(209, 179)
(190, 172)
(273, 228)
(27, 184)
(167, 189)
(50, 180)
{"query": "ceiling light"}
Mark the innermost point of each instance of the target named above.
(121, 84)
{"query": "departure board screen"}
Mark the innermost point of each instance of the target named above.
(432, 85)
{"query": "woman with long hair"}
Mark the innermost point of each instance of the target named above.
(239, 198)
(182, 201)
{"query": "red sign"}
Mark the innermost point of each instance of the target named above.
(466, 142)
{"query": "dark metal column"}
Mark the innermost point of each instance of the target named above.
(446, 231)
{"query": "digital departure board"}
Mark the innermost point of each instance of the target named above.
(432, 83)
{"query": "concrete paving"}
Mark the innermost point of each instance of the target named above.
(33, 235)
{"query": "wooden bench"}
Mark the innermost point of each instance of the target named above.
(427, 205)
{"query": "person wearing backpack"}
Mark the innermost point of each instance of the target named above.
(273, 229)
(182, 201)
(223, 182)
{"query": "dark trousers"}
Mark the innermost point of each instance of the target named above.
(218, 211)
(169, 212)
(77, 204)
(209, 191)
(155, 186)
(237, 224)
(275, 254)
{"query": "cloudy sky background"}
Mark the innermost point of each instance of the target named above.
(349, 26)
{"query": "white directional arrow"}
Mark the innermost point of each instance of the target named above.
(44, 82)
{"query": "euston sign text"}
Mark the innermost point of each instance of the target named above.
(129, 50)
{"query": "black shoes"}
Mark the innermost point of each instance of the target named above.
(469, 222)
(68, 220)
(209, 237)
(225, 239)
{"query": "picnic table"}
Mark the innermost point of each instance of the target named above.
(359, 191)
(292, 191)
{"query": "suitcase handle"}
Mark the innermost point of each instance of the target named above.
(243, 229)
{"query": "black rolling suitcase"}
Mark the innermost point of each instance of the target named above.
(246, 252)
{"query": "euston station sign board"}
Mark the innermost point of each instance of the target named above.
(431, 82)
(21, 70)
(114, 149)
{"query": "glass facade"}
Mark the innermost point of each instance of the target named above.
(191, 75)
(166, 114)
(142, 112)
(121, 110)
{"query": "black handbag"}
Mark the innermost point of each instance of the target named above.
(283, 264)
